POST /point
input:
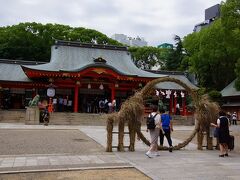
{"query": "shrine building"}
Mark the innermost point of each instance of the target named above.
(83, 73)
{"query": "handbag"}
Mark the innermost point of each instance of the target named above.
(216, 133)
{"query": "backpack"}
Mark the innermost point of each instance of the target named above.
(101, 104)
(151, 121)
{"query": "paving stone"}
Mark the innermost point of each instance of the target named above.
(43, 162)
(184, 164)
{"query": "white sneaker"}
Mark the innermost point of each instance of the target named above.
(149, 154)
(156, 153)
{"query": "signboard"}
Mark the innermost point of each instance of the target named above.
(50, 92)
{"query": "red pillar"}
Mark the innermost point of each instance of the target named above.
(175, 103)
(76, 98)
(170, 104)
(184, 105)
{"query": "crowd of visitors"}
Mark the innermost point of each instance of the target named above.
(65, 104)
(102, 105)
(62, 104)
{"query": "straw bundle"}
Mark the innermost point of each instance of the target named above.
(132, 111)
(206, 113)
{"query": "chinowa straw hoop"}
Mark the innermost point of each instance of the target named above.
(132, 111)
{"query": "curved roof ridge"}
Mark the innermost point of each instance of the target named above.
(67, 58)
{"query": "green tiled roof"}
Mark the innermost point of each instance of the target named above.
(230, 90)
(172, 85)
(12, 72)
(72, 58)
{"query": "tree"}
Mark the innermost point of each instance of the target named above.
(216, 96)
(214, 51)
(147, 57)
(176, 56)
(210, 58)
(32, 41)
(231, 23)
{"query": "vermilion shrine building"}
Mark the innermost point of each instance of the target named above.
(83, 72)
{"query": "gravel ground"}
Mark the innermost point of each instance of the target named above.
(23, 141)
(52, 141)
(96, 174)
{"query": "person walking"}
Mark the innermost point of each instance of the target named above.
(167, 129)
(154, 133)
(223, 133)
(55, 104)
(177, 109)
(65, 100)
(114, 105)
(60, 104)
(69, 105)
(101, 105)
(229, 116)
(234, 118)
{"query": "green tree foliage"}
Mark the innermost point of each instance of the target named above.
(32, 41)
(147, 57)
(213, 52)
(175, 58)
(231, 23)
(215, 96)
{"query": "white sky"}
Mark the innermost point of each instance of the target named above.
(155, 20)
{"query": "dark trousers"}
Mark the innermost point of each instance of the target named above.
(168, 136)
(234, 122)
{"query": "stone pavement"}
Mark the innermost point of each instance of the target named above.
(187, 163)
(31, 163)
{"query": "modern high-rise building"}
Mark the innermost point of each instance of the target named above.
(211, 14)
(129, 41)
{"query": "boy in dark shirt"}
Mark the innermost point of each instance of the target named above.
(167, 128)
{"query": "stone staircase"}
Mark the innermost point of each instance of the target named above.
(56, 118)
(12, 116)
(183, 120)
(66, 118)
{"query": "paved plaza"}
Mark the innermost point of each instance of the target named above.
(34, 148)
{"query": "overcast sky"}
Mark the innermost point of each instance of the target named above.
(155, 20)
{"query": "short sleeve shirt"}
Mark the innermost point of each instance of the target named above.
(157, 119)
(54, 101)
(165, 119)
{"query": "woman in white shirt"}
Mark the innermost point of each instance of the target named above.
(154, 133)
